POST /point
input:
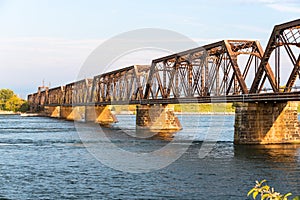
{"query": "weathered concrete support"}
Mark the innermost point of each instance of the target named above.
(97, 114)
(157, 118)
(90, 114)
(52, 111)
(266, 123)
(76, 113)
(100, 114)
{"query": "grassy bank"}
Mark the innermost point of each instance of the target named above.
(205, 107)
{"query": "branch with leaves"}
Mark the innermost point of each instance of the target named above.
(267, 193)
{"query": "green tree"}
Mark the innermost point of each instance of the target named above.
(24, 107)
(11, 102)
(5, 95)
(14, 103)
(2, 104)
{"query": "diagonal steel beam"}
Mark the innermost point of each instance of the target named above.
(293, 76)
(277, 31)
(237, 71)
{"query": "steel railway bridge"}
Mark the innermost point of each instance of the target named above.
(262, 82)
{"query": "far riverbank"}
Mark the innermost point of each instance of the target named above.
(5, 112)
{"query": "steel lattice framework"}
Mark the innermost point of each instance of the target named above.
(56, 95)
(121, 85)
(211, 70)
(235, 69)
(285, 35)
(38, 100)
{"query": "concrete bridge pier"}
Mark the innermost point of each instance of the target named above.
(52, 111)
(157, 118)
(266, 123)
(97, 114)
(100, 114)
(73, 113)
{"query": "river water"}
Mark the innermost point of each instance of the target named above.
(44, 158)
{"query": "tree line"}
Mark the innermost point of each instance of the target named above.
(9, 101)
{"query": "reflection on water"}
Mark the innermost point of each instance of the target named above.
(44, 158)
(274, 156)
(163, 136)
(272, 152)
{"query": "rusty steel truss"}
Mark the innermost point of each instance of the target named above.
(285, 35)
(211, 70)
(121, 85)
(235, 69)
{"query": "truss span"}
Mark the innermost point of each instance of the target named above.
(239, 70)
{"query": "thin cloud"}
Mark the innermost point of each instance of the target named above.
(291, 6)
(267, 2)
(205, 41)
(255, 29)
(29, 60)
(285, 8)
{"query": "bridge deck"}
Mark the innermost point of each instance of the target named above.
(266, 97)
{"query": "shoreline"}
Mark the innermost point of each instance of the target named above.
(204, 113)
(4, 112)
(182, 113)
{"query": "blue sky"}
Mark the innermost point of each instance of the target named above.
(50, 40)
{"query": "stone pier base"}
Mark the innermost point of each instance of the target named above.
(266, 123)
(76, 113)
(52, 111)
(104, 116)
(157, 118)
(98, 114)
